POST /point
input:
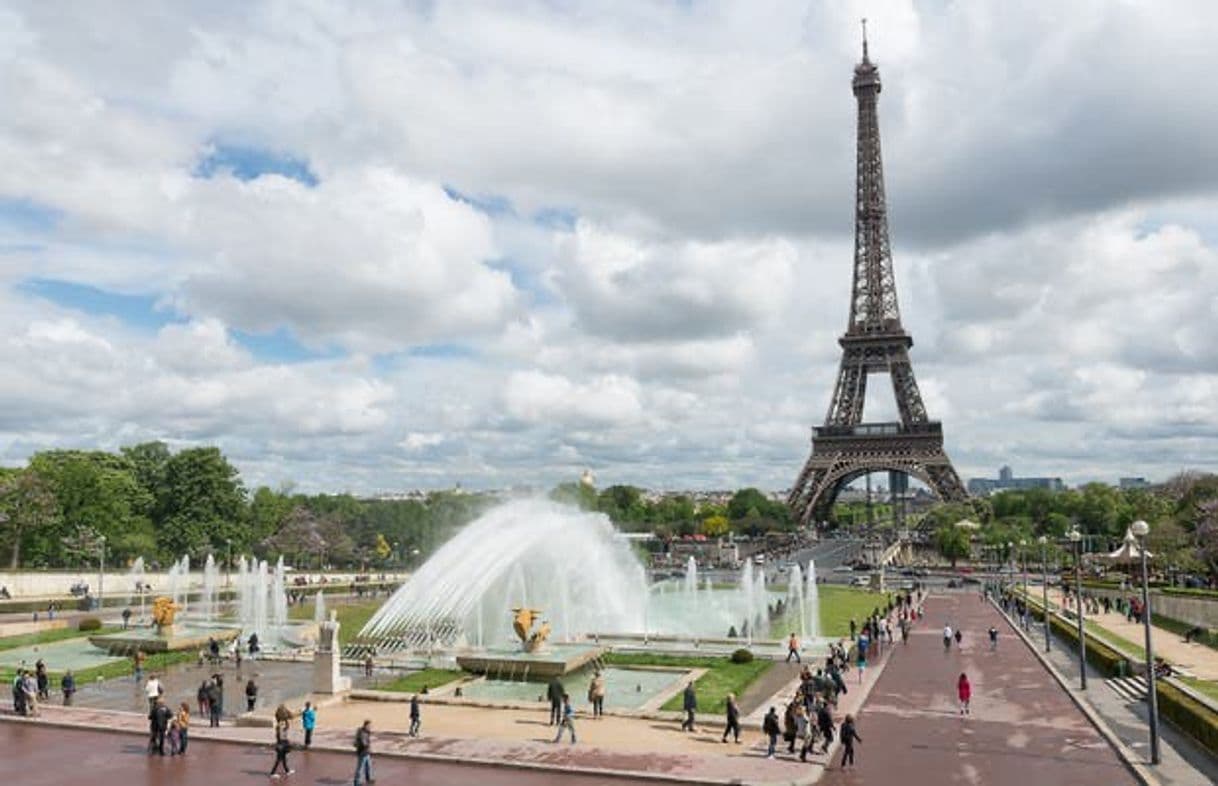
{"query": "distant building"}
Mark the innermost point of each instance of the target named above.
(1133, 483)
(1006, 481)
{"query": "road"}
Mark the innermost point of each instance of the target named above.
(43, 756)
(1023, 729)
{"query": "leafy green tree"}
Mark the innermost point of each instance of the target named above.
(580, 495)
(202, 503)
(953, 543)
(27, 506)
(715, 526)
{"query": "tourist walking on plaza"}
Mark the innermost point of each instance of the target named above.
(363, 752)
(152, 691)
(282, 746)
(201, 696)
(803, 731)
(568, 720)
(947, 638)
(596, 695)
(43, 679)
(771, 729)
(862, 646)
(29, 687)
(251, 695)
(182, 719)
(824, 722)
(965, 692)
(849, 737)
(993, 638)
(138, 659)
(554, 692)
(733, 719)
(308, 721)
(215, 700)
(416, 716)
(174, 737)
(126, 618)
(68, 685)
(158, 725)
(793, 648)
(959, 637)
(689, 703)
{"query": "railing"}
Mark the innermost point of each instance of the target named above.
(879, 430)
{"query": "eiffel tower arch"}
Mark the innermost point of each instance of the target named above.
(846, 447)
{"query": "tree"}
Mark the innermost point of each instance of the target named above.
(201, 504)
(27, 505)
(715, 526)
(953, 543)
(580, 495)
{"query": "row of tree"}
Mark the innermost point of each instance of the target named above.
(145, 500)
(1182, 513)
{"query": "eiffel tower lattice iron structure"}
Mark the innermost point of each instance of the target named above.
(846, 448)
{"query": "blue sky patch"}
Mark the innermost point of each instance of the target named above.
(139, 311)
(249, 163)
(27, 216)
(556, 218)
(280, 346)
(490, 204)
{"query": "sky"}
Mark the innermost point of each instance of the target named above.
(383, 245)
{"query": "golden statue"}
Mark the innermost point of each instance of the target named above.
(530, 639)
(163, 609)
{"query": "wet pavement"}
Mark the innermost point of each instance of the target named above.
(43, 756)
(1023, 728)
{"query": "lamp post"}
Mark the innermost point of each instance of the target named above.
(1076, 538)
(101, 572)
(1044, 585)
(1140, 530)
(1027, 609)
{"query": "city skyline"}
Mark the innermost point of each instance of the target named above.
(390, 248)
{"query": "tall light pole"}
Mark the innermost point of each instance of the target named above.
(1076, 538)
(1027, 608)
(1044, 585)
(1140, 530)
(101, 572)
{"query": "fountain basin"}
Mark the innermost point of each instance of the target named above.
(556, 660)
(173, 639)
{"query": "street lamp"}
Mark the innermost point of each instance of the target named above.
(1044, 584)
(101, 572)
(1023, 552)
(1140, 529)
(1076, 538)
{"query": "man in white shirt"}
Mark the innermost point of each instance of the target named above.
(947, 637)
(152, 690)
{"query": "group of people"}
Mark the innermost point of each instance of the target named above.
(33, 686)
(167, 726)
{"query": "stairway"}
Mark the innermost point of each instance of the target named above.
(1132, 689)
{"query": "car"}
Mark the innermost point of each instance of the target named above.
(861, 581)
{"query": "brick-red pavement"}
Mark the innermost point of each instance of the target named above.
(1023, 731)
(36, 755)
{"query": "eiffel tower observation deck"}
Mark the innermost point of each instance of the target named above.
(845, 447)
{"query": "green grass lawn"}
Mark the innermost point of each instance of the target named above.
(153, 662)
(352, 615)
(427, 678)
(723, 677)
(48, 636)
(839, 604)
(1208, 688)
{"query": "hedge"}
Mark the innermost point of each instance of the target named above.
(1100, 655)
(1187, 592)
(1188, 715)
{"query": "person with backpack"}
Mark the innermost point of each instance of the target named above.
(771, 729)
(568, 719)
(308, 721)
(363, 752)
(282, 747)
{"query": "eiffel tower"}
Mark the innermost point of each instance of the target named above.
(846, 448)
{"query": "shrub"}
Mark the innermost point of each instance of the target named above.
(88, 623)
(742, 656)
(1194, 719)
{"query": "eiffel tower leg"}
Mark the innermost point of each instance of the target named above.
(850, 394)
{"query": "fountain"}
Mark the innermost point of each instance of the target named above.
(811, 613)
(319, 607)
(211, 575)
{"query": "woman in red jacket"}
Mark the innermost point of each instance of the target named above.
(965, 691)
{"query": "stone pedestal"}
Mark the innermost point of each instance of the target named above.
(327, 677)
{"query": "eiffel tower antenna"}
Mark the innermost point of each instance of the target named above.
(875, 341)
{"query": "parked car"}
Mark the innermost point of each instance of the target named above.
(861, 581)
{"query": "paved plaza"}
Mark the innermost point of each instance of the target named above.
(1023, 728)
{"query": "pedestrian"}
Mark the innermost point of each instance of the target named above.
(905, 632)
(43, 680)
(215, 700)
(959, 635)
(138, 658)
(793, 648)
(19, 692)
(771, 729)
(282, 747)
(947, 638)
(363, 752)
(788, 724)
(853, 627)
(568, 719)
(182, 719)
(29, 686)
(824, 722)
(201, 696)
(251, 695)
(596, 694)
(554, 693)
(174, 737)
(802, 731)
(152, 691)
(368, 664)
(308, 721)
(254, 646)
(126, 618)
(158, 725)
(849, 737)
(863, 643)
(993, 638)
(416, 716)
(67, 684)
(689, 702)
(733, 719)
(965, 692)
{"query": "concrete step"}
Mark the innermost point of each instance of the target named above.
(1132, 689)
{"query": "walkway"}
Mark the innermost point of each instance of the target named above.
(1023, 728)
